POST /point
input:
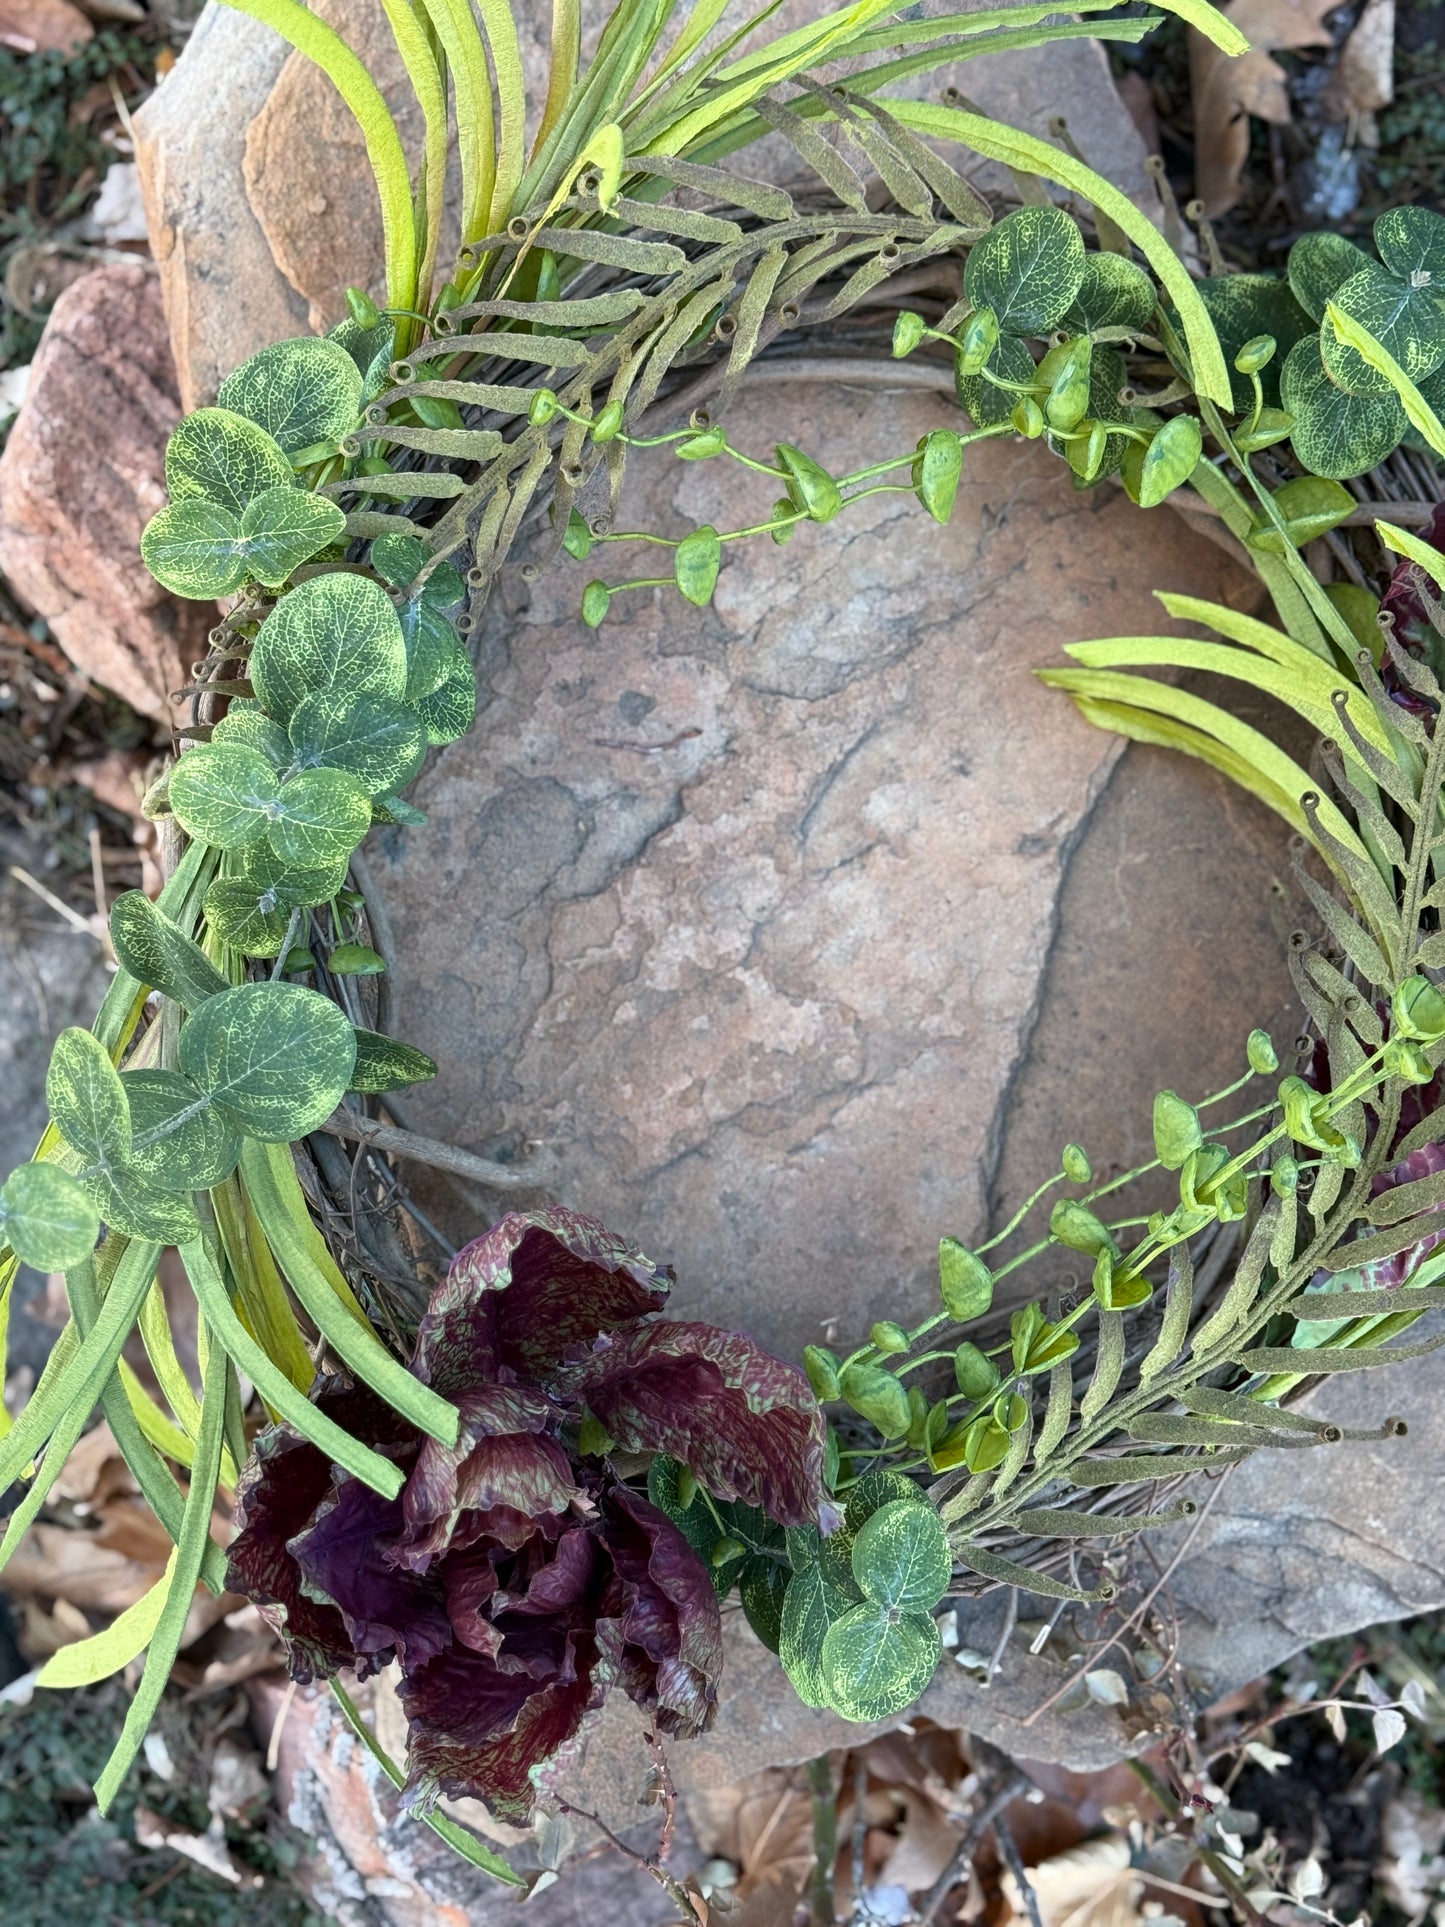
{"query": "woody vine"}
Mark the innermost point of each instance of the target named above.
(456, 1494)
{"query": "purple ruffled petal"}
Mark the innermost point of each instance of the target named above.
(672, 1630)
(343, 1558)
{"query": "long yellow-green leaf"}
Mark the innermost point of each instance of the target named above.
(1306, 690)
(427, 84)
(461, 40)
(7, 1288)
(699, 23)
(1401, 542)
(85, 1662)
(1141, 726)
(1251, 745)
(168, 1439)
(566, 50)
(997, 142)
(185, 1570)
(1290, 604)
(501, 31)
(155, 1331)
(1422, 416)
(1248, 631)
(384, 150)
(261, 1301)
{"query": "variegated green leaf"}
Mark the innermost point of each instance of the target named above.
(320, 817)
(221, 457)
(245, 722)
(1320, 263)
(901, 1558)
(810, 1608)
(86, 1097)
(193, 548)
(130, 1203)
(384, 1064)
(47, 1218)
(875, 1663)
(1028, 268)
(276, 1057)
(1335, 434)
(1407, 321)
(449, 710)
(336, 631)
(375, 739)
(300, 392)
(157, 952)
(247, 915)
(180, 1141)
(224, 794)
(284, 528)
(1115, 293)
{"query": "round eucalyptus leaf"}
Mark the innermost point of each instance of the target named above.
(1115, 292)
(129, 1203)
(86, 1097)
(1411, 241)
(375, 739)
(763, 1588)
(875, 1490)
(432, 645)
(248, 916)
(449, 711)
(300, 392)
(158, 952)
(47, 1218)
(335, 631)
(284, 528)
(179, 1139)
(1320, 263)
(293, 887)
(1243, 307)
(256, 730)
(223, 458)
(1310, 506)
(874, 1663)
(901, 1557)
(193, 548)
(1335, 435)
(985, 405)
(384, 1064)
(1408, 321)
(277, 1057)
(1028, 268)
(224, 794)
(321, 816)
(810, 1607)
(401, 559)
(1170, 459)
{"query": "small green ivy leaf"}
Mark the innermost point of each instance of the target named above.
(1318, 265)
(988, 406)
(320, 817)
(370, 348)
(1028, 268)
(448, 712)
(131, 1204)
(1115, 292)
(695, 564)
(47, 1217)
(86, 1097)
(1244, 306)
(276, 1057)
(179, 1141)
(763, 1589)
(383, 1064)
(875, 1490)
(354, 960)
(1335, 435)
(1170, 459)
(335, 631)
(293, 887)
(284, 528)
(874, 1663)
(193, 548)
(246, 723)
(221, 457)
(158, 952)
(375, 739)
(299, 392)
(901, 1558)
(810, 1607)
(247, 916)
(1407, 321)
(223, 794)
(1411, 241)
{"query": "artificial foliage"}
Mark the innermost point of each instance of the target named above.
(538, 1487)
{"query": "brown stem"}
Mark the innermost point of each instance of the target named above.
(674, 1889)
(1008, 1847)
(825, 1841)
(959, 1867)
(430, 1150)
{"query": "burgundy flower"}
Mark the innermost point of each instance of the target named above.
(1404, 600)
(513, 1580)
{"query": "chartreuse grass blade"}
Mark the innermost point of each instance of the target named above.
(277, 1390)
(997, 142)
(500, 27)
(1401, 542)
(430, 90)
(384, 150)
(165, 1642)
(466, 1844)
(261, 1301)
(472, 93)
(356, 1344)
(565, 52)
(155, 1331)
(85, 1662)
(166, 1436)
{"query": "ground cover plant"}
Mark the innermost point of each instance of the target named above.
(455, 1483)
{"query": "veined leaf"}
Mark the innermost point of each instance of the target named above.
(1401, 542)
(336, 631)
(47, 1219)
(320, 817)
(224, 794)
(179, 1139)
(158, 953)
(384, 1064)
(900, 1557)
(220, 457)
(276, 1057)
(875, 1662)
(300, 392)
(375, 739)
(86, 1097)
(1407, 322)
(85, 1662)
(1335, 435)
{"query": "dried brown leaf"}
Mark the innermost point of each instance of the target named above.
(42, 26)
(1364, 76)
(1227, 91)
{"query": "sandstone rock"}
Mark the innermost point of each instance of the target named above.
(81, 475)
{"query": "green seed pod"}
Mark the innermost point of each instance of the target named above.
(1076, 1165)
(695, 564)
(355, 960)
(908, 330)
(578, 539)
(876, 1395)
(1271, 426)
(1027, 417)
(1170, 459)
(917, 1419)
(1088, 464)
(362, 309)
(703, 446)
(298, 961)
(1407, 1061)
(686, 1486)
(977, 1375)
(1259, 1049)
(1038, 1345)
(886, 1336)
(594, 1441)
(977, 342)
(1256, 354)
(810, 487)
(965, 1282)
(543, 409)
(937, 468)
(821, 1365)
(1075, 1225)
(1010, 1411)
(725, 1551)
(950, 1450)
(985, 1444)
(1419, 1010)
(1066, 369)
(1284, 1175)
(607, 422)
(782, 532)
(1176, 1130)
(595, 600)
